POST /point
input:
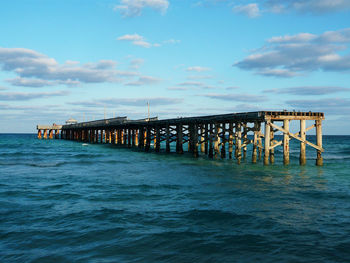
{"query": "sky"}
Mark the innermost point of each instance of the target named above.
(95, 58)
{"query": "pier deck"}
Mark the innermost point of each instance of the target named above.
(212, 135)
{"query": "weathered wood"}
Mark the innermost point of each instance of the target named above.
(267, 143)
(202, 132)
(216, 139)
(167, 134)
(238, 142)
(148, 139)
(195, 140)
(286, 142)
(157, 142)
(39, 134)
(179, 140)
(298, 138)
(223, 144)
(245, 140)
(211, 129)
(302, 144)
(142, 138)
(272, 150)
(319, 159)
(230, 140)
(211, 137)
(206, 138)
(255, 143)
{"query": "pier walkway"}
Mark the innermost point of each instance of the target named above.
(224, 136)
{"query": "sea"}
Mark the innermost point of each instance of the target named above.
(66, 201)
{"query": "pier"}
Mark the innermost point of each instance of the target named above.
(216, 136)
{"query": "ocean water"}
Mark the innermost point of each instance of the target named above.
(64, 201)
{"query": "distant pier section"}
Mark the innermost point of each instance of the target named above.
(217, 136)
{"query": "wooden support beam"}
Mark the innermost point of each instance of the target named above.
(206, 138)
(286, 142)
(109, 136)
(190, 138)
(238, 142)
(302, 144)
(179, 139)
(319, 159)
(136, 137)
(223, 144)
(157, 139)
(45, 134)
(148, 139)
(272, 150)
(128, 134)
(195, 140)
(298, 138)
(202, 132)
(245, 140)
(230, 140)
(211, 136)
(167, 134)
(267, 143)
(39, 134)
(255, 143)
(216, 139)
(142, 137)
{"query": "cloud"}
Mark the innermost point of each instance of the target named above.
(195, 77)
(12, 96)
(132, 8)
(138, 102)
(306, 91)
(137, 40)
(250, 10)
(171, 41)
(29, 82)
(310, 6)
(178, 88)
(289, 56)
(198, 69)
(236, 97)
(191, 83)
(333, 106)
(134, 37)
(136, 63)
(36, 69)
(144, 80)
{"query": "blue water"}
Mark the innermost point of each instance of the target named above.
(63, 201)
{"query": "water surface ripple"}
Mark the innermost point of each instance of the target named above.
(63, 201)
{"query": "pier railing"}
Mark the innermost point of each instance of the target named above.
(223, 136)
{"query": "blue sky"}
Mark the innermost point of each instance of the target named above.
(62, 59)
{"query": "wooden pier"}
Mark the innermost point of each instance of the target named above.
(217, 136)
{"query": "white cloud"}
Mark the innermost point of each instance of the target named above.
(309, 90)
(137, 40)
(289, 56)
(144, 80)
(133, 37)
(236, 97)
(38, 69)
(192, 83)
(136, 63)
(21, 96)
(250, 10)
(131, 8)
(198, 69)
(172, 41)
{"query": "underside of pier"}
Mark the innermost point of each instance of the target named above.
(217, 136)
